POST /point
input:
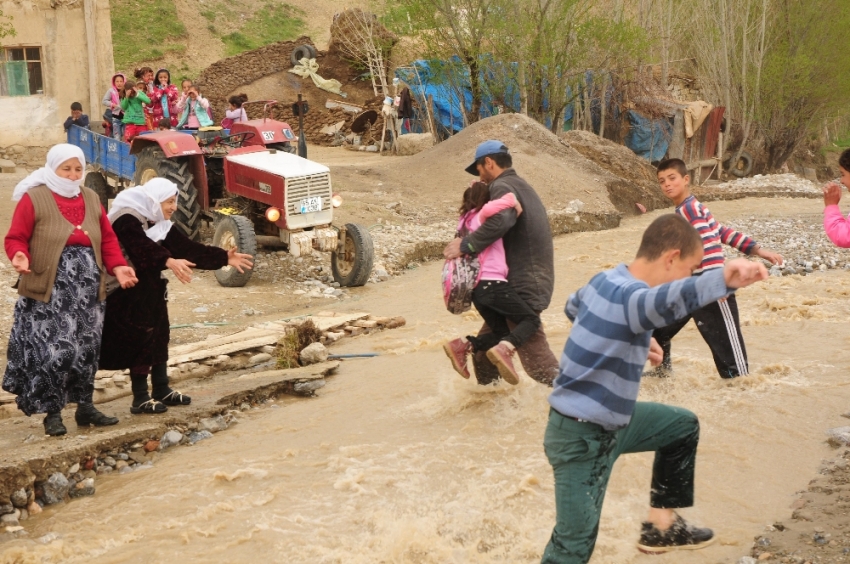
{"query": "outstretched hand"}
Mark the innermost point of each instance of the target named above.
(21, 263)
(239, 261)
(452, 250)
(181, 268)
(126, 276)
(770, 256)
(831, 194)
(656, 353)
(740, 273)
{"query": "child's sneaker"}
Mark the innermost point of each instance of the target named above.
(502, 356)
(456, 350)
(680, 536)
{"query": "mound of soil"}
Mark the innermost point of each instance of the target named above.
(638, 182)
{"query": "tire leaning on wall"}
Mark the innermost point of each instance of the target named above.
(302, 52)
(743, 167)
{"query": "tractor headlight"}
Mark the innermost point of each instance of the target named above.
(273, 214)
(336, 200)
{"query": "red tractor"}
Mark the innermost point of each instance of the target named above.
(247, 180)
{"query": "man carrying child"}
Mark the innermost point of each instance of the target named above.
(595, 416)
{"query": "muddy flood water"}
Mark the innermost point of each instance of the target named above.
(399, 460)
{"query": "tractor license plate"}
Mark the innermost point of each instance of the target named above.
(313, 204)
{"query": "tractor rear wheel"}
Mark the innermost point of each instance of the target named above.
(96, 182)
(151, 163)
(353, 266)
(234, 231)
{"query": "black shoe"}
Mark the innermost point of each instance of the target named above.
(150, 406)
(53, 425)
(173, 397)
(87, 415)
(680, 536)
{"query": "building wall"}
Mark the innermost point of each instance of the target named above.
(59, 28)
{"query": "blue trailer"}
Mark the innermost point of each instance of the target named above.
(104, 153)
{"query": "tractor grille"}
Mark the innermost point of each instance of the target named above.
(300, 187)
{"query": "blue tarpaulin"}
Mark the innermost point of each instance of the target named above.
(648, 138)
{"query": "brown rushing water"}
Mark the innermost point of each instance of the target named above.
(401, 461)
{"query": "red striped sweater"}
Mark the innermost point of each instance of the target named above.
(713, 234)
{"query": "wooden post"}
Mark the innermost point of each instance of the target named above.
(383, 135)
(89, 13)
(431, 123)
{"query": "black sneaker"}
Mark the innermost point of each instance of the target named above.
(680, 536)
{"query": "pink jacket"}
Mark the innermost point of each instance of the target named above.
(837, 227)
(492, 259)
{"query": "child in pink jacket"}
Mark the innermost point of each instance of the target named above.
(507, 314)
(836, 225)
(164, 98)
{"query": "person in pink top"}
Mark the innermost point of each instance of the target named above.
(837, 227)
(493, 297)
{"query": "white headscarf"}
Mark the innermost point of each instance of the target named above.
(146, 200)
(47, 174)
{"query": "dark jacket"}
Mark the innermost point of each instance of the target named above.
(136, 329)
(83, 121)
(527, 239)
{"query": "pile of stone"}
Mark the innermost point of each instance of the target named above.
(779, 185)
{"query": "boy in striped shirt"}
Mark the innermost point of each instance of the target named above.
(718, 322)
(595, 415)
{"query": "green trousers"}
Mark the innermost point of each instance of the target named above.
(583, 454)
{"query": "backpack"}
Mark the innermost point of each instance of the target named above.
(460, 276)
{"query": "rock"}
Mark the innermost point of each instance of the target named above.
(220, 359)
(213, 424)
(196, 436)
(747, 560)
(19, 498)
(775, 271)
(244, 406)
(6, 508)
(839, 436)
(24, 515)
(200, 310)
(365, 323)
(122, 456)
(104, 469)
(120, 465)
(268, 349)
(138, 456)
(352, 330)
(151, 446)
(33, 508)
(11, 519)
(381, 275)
(74, 468)
(371, 149)
(314, 353)
(395, 322)
(109, 461)
(259, 359)
(82, 489)
(333, 336)
(170, 438)
(55, 488)
(307, 388)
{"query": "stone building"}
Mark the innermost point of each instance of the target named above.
(61, 53)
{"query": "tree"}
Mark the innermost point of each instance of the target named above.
(362, 38)
(6, 28)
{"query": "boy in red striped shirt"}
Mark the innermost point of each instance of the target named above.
(718, 322)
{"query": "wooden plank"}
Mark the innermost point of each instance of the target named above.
(224, 349)
(310, 372)
(250, 333)
(328, 323)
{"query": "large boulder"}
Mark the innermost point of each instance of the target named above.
(313, 354)
(412, 143)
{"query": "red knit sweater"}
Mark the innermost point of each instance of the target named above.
(74, 210)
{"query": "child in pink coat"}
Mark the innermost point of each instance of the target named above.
(837, 227)
(507, 314)
(164, 98)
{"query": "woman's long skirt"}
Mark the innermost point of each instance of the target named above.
(54, 347)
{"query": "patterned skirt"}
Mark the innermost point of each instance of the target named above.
(54, 347)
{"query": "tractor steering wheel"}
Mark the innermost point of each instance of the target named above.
(236, 140)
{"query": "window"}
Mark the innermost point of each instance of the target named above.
(20, 71)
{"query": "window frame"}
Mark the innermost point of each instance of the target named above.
(5, 56)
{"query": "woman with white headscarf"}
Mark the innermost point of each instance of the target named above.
(136, 330)
(62, 245)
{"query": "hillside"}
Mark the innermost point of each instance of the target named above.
(193, 34)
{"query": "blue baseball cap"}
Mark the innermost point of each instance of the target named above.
(485, 149)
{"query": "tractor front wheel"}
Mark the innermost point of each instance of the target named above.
(96, 182)
(151, 163)
(234, 231)
(353, 265)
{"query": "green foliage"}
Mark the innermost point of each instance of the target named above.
(271, 23)
(6, 28)
(144, 30)
(209, 14)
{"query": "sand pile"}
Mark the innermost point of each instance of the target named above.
(639, 180)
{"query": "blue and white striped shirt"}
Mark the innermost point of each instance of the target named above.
(613, 317)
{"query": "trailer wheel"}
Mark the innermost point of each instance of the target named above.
(353, 266)
(96, 182)
(151, 163)
(234, 231)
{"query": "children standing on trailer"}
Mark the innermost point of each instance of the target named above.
(112, 100)
(195, 112)
(134, 113)
(164, 98)
(236, 113)
(144, 76)
(493, 296)
(595, 416)
(717, 322)
(77, 117)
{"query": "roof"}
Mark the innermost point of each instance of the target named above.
(280, 163)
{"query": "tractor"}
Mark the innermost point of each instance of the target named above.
(246, 180)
